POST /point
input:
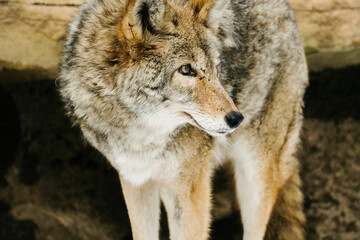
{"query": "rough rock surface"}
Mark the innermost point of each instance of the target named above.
(31, 37)
(54, 186)
(32, 33)
(331, 31)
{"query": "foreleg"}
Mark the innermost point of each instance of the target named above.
(143, 205)
(187, 204)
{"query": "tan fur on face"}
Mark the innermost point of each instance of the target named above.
(211, 98)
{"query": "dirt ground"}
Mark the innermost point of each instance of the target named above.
(54, 186)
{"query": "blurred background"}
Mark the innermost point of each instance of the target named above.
(54, 186)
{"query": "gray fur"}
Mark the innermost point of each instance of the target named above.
(261, 57)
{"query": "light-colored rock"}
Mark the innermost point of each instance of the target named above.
(331, 31)
(324, 5)
(32, 33)
(31, 37)
(49, 2)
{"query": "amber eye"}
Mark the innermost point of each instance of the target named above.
(187, 70)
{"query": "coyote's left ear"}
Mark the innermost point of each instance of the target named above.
(210, 11)
(142, 18)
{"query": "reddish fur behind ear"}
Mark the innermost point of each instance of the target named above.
(127, 28)
(132, 39)
(202, 8)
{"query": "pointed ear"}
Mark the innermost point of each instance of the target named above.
(217, 12)
(141, 18)
(210, 11)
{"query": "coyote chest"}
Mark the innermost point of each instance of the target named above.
(142, 80)
(143, 154)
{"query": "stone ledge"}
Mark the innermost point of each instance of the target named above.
(324, 5)
(31, 37)
(32, 33)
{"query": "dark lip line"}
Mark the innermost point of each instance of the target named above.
(198, 125)
(189, 116)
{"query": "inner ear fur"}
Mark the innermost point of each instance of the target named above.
(138, 29)
(202, 7)
(210, 12)
(141, 19)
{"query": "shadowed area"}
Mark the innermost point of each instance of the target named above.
(13, 229)
(55, 186)
(10, 132)
(334, 94)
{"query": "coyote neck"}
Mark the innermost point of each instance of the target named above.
(142, 153)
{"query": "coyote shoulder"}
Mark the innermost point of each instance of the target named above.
(158, 86)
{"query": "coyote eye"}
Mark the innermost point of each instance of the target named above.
(187, 70)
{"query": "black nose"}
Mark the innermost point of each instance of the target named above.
(234, 119)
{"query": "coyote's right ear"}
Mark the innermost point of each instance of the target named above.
(210, 11)
(141, 18)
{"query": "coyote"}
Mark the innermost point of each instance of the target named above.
(167, 89)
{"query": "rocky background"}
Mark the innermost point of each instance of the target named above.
(53, 186)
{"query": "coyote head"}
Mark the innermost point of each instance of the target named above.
(169, 59)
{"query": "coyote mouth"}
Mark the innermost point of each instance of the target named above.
(195, 123)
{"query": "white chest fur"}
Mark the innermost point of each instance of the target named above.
(139, 167)
(144, 152)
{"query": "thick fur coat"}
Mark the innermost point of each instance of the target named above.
(151, 83)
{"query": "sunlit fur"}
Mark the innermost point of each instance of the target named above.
(164, 131)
